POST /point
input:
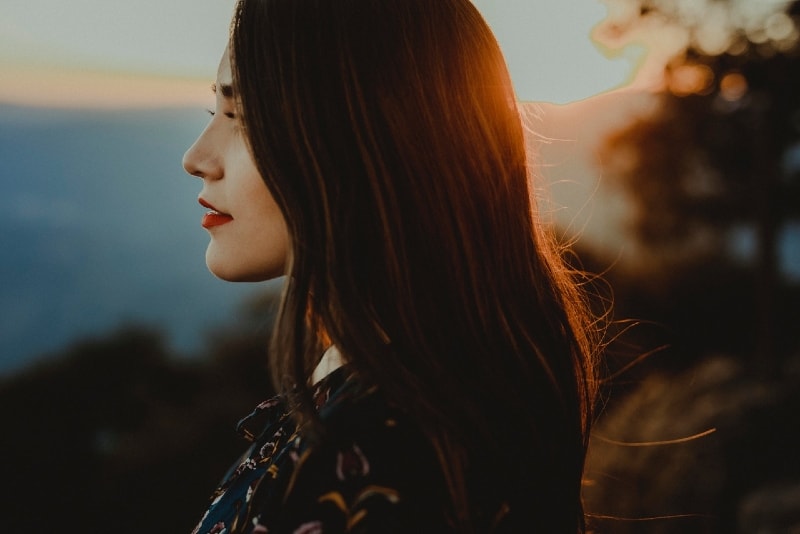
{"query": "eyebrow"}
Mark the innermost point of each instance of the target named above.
(225, 89)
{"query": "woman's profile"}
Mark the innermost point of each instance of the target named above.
(434, 355)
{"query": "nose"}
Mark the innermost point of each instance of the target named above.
(202, 159)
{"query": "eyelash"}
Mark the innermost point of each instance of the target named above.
(227, 114)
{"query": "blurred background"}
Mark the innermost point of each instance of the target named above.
(665, 136)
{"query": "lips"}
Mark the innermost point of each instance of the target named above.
(213, 217)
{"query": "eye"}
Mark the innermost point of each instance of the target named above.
(229, 114)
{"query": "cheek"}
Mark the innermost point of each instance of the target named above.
(257, 245)
(271, 235)
(260, 208)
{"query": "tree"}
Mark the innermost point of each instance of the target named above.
(118, 433)
(706, 167)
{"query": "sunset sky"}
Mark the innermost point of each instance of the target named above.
(102, 53)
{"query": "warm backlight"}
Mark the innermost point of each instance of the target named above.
(63, 88)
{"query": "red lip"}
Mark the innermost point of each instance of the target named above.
(213, 217)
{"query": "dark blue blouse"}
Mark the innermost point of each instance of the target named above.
(373, 471)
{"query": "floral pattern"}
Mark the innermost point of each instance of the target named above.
(372, 472)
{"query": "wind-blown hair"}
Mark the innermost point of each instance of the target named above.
(388, 133)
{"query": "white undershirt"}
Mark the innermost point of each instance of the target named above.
(330, 361)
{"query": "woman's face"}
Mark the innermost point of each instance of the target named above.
(249, 239)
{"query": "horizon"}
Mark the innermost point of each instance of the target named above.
(86, 259)
(87, 59)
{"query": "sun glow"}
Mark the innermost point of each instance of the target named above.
(86, 55)
(74, 88)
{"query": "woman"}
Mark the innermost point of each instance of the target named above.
(434, 354)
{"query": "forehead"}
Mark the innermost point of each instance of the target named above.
(224, 75)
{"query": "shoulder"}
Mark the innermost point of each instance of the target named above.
(373, 471)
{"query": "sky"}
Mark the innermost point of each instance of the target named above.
(110, 53)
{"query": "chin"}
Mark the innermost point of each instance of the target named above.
(229, 271)
(235, 277)
(239, 275)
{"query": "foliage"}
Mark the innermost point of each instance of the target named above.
(120, 435)
(710, 164)
(708, 450)
(713, 163)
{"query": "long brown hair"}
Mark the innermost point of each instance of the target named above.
(388, 132)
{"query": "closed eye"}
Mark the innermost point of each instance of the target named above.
(228, 114)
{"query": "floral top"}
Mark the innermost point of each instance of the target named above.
(373, 471)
